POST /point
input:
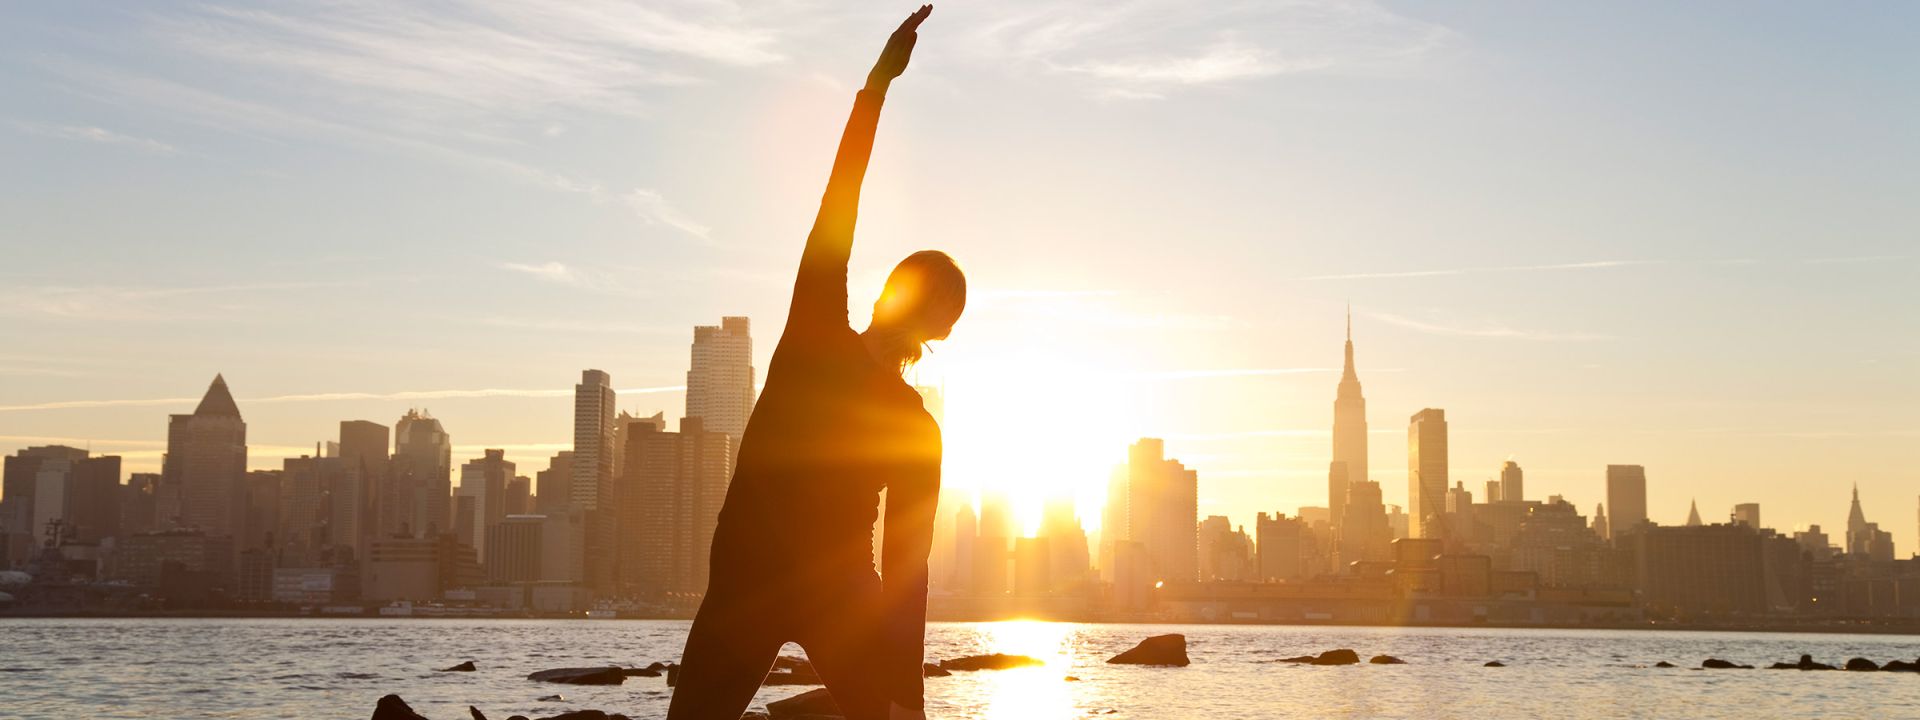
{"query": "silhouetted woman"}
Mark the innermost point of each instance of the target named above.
(792, 557)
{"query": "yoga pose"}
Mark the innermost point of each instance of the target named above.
(792, 556)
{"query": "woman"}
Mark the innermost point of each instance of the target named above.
(792, 558)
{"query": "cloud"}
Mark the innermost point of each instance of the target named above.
(188, 402)
(1144, 49)
(492, 57)
(137, 303)
(101, 136)
(1484, 331)
(553, 271)
(1590, 265)
(654, 209)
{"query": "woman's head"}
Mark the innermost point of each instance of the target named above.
(921, 301)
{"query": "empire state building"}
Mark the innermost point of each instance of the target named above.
(1349, 434)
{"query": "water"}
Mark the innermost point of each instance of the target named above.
(136, 668)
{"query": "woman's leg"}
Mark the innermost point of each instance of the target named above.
(843, 643)
(729, 651)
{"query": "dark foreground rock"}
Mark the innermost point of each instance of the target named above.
(1341, 656)
(640, 672)
(475, 712)
(1718, 664)
(1385, 660)
(462, 667)
(1494, 663)
(581, 676)
(588, 715)
(932, 670)
(1664, 664)
(996, 661)
(811, 702)
(1298, 659)
(1901, 666)
(1156, 650)
(1862, 665)
(391, 707)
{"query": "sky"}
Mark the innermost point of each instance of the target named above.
(1680, 236)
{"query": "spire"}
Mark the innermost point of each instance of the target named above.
(218, 401)
(1693, 513)
(1347, 374)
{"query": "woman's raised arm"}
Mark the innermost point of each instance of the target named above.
(820, 291)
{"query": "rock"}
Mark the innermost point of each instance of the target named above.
(1494, 663)
(1901, 666)
(811, 702)
(784, 662)
(1718, 664)
(753, 715)
(996, 661)
(462, 667)
(1807, 663)
(1341, 656)
(673, 675)
(797, 676)
(551, 698)
(1071, 678)
(640, 672)
(1385, 660)
(587, 715)
(475, 712)
(581, 676)
(1302, 659)
(1156, 650)
(391, 707)
(659, 666)
(1664, 664)
(1862, 665)
(518, 717)
(932, 670)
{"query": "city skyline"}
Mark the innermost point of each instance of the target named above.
(1162, 220)
(595, 403)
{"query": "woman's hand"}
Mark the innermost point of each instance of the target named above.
(893, 60)
(894, 711)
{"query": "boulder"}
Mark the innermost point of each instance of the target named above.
(391, 707)
(1341, 656)
(1301, 659)
(1385, 660)
(1862, 665)
(1901, 666)
(1156, 650)
(518, 717)
(932, 670)
(475, 712)
(640, 672)
(587, 715)
(659, 666)
(581, 676)
(1664, 664)
(462, 667)
(1071, 678)
(1494, 663)
(1718, 664)
(996, 661)
(550, 698)
(811, 702)
(1807, 663)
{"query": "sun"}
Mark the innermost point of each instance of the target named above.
(1032, 420)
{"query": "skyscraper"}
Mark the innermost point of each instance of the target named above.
(483, 497)
(206, 464)
(1426, 472)
(363, 449)
(1626, 498)
(1349, 432)
(1163, 503)
(1512, 483)
(420, 484)
(1277, 543)
(593, 433)
(551, 491)
(669, 505)
(1693, 514)
(720, 379)
(1747, 514)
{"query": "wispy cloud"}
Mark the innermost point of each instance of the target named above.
(101, 136)
(1241, 373)
(188, 402)
(139, 303)
(1482, 330)
(500, 57)
(1146, 48)
(654, 209)
(1590, 265)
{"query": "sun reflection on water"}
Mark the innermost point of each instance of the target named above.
(1030, 692)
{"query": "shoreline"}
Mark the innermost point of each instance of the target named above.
(1911, 628)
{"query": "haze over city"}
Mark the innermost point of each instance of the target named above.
(356, 212)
